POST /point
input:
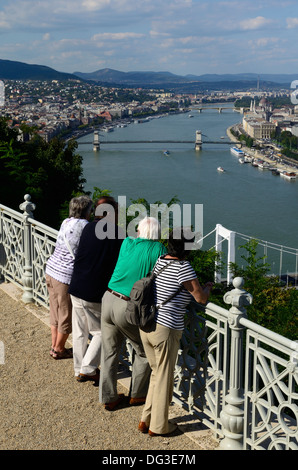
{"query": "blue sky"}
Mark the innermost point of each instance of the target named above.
(178, 36)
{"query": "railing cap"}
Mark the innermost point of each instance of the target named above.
(27, 206)
(238, 297)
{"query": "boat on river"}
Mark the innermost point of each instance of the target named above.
(288, 175)
(221, 169)
(237, 152)
(263, 165)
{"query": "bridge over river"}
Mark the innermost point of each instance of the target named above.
(198, 142)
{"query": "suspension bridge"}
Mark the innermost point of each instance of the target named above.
(282, 260)
(198, 142)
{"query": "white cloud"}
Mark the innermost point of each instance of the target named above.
(292, 23)
(116, 36)
(263, 42)
(93, 5)
(186, 35)
(254, 23)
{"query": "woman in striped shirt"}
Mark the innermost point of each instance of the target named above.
(161, 344)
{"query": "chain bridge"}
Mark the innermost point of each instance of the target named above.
(198, 142)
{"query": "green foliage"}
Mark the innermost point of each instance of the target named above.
(274, 306)
(255, 269)
(50, 172)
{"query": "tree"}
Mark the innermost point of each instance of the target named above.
(274, 306)
(50, 172)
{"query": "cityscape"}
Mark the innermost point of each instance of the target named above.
(74, 107)
(131, 75)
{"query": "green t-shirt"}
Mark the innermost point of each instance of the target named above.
(137, 258)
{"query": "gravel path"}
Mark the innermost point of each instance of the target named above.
(43, 407)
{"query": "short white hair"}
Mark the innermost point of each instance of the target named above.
(149, 228)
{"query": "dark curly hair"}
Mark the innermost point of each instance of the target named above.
(177, 242)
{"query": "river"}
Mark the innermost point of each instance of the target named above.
(244, 199)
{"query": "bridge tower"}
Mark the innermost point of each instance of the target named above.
(96, 142)
(198, 144)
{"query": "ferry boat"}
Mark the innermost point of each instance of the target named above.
(237, 152)
(288, 175)
(220, 169)
(263, 165)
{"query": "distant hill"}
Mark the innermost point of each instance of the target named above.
(132, 78)
(274, 78)
(189, 83)
(13, 70)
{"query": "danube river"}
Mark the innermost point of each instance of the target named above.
(244, 198)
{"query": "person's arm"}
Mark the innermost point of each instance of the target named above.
(200, 294)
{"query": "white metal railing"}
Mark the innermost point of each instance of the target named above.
(240, 379)
(282, 260)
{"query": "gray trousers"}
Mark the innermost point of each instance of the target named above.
(115, 330)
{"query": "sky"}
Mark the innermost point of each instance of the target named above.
(178, 36)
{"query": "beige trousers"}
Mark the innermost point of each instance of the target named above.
(161, 348)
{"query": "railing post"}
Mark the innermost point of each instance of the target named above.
(27, 207)
(232, 415)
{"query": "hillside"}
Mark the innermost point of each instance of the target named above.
(190, 83)
(12, 70)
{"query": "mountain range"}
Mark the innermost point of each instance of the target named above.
(135, 78)
(13, 70)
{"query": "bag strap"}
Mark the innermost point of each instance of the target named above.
(172, 295)
(153, 274)
(170, 298)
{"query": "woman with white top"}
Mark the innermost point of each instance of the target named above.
(161, 344)
(59, 271)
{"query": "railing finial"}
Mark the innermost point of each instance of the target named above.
(27, 206)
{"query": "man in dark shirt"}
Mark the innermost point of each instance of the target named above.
(93, 267)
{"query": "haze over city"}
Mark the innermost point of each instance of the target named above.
(179, 36)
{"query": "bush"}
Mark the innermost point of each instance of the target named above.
(274, 306)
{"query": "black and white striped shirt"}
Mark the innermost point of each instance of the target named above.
(167, 282)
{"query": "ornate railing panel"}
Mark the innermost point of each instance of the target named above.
(202, 365)
(11, 245)
(242, 386)
(271, 390)
(43, 239)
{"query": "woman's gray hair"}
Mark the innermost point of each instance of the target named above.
(80, 207)
(149, 228)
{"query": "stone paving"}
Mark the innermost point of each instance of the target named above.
(43, 407)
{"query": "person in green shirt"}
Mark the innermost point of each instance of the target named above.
(137, 258)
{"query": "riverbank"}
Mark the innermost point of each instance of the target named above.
(281, 166)
(78, 133)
